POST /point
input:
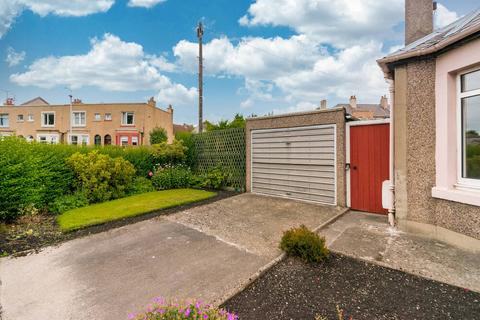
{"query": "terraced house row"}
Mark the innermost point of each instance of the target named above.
(125, 124)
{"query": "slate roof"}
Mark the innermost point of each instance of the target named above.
(471, 20)
(466, 26)
(378, 111)
(38, 101)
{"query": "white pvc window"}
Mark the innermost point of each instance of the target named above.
(98, 117)
(108, 116)
(79, 118)
(124, 141)
(30, 118)
(128, 118)
(20, 118)
(4, 120)
(77, 139)
(134, 141)
(468, 111)
(48, 119)
(46, 138)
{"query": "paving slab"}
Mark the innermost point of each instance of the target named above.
(254, 223)
(108, 275)
(369, 237)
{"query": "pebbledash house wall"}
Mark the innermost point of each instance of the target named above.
(146, 117)
(418, 97)
(318, 117)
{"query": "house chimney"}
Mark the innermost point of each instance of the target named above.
(353, 102)
(323, 104)
(77, 101)
(152, 102)
(384, 102)
(170, 108)
(418, 19)
(9, 102)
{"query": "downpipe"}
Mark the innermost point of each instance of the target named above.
(391, 209)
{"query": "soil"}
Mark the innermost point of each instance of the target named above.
(295, 290)
(32, 233)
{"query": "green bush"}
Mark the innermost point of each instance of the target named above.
(158, 135)
(141, 157)
(141, 185)
(101, 177)
(169, 154)
(215, 178)
(173, 177)
(187, 140)
(305, 244)
(68, 202)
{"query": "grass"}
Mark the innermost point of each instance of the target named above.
(129, 207)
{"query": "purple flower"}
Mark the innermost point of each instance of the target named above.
(187, 312)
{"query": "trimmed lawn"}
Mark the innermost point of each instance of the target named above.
(129, 207)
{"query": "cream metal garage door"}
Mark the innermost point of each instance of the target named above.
(298, 163)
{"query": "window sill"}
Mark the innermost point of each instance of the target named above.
(464, 195)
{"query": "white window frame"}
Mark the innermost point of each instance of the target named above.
(135, 140)
(54, 119)
(80, 138)
(8, 120)
(123, 138)
(48, 138)
(74, 124)
(98, 116)
(463, 183)
(20, 118)
(125, 117)
(108, 116)
(30, 117)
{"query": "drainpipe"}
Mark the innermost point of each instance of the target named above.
(391, 210)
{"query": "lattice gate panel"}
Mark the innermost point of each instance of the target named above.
(225, 149)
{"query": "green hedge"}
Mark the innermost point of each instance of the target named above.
(34, 175)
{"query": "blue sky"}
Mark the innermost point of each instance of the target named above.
(260, 56)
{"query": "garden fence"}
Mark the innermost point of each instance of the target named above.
(225, 149)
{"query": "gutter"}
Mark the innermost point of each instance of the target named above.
(383, 63)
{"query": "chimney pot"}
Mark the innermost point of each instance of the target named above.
(323, 104)
(353, 101)
(384, 102)
(418, 19)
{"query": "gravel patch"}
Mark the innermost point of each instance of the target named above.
(295, 290)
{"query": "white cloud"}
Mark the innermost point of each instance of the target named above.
(10, 9)
(14, 58)
(301, 69)
(112, 65)
(443, 16)
(144, 3)
(337, 22)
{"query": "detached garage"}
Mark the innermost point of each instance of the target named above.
(297, 155)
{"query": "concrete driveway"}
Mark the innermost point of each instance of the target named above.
(206, 252)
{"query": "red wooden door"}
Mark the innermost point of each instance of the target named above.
(369, 166)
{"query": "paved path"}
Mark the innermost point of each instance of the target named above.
(369, 237)
(205, 252)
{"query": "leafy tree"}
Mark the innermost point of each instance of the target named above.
(158, 135)
(237, 122)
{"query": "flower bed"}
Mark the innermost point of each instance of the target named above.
(162, 309)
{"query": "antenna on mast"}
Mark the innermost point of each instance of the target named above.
(200, 76)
